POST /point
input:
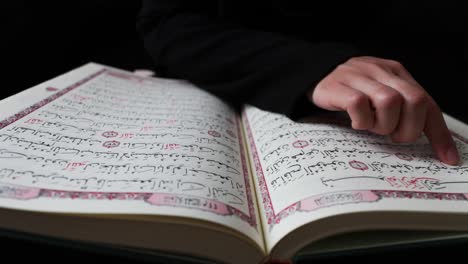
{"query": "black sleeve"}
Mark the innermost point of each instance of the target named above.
(240, 65)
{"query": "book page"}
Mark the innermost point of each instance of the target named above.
(101, 140)
(316, 168)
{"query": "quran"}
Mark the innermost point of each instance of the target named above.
(145, 164)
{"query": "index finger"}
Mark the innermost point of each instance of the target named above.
(439, 136)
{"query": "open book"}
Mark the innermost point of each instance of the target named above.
(105, 156)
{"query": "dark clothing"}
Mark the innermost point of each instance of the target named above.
(269, 53)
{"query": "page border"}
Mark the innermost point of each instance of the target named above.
(156, 199)
(316, 202)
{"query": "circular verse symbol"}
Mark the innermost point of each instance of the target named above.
(109, 134)
(358, 165)
(111, 144)
(300, 144)
(214, 133)
(404, 156)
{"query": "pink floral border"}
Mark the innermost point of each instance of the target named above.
(30, 109)
(335, 198)
(157, 199)
(252, 220)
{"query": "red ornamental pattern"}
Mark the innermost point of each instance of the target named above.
(18, 192)
(275, 218)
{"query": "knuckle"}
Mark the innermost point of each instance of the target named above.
(359, 62)
(354, 59)
(395, 64)
(418, 99)
(401, 85)
(356, 100)
(344, 68)
(388, 98)
(373, 66)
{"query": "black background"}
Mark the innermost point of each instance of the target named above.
(46, 38)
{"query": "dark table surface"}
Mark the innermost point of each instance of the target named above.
(22, 249)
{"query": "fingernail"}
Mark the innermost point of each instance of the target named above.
(451, 156)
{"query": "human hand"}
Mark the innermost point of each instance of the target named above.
(381, 96)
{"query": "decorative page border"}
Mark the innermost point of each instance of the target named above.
(316, 202)
(18, 192)
(251, 219)
(12, 191)
(9, 120)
